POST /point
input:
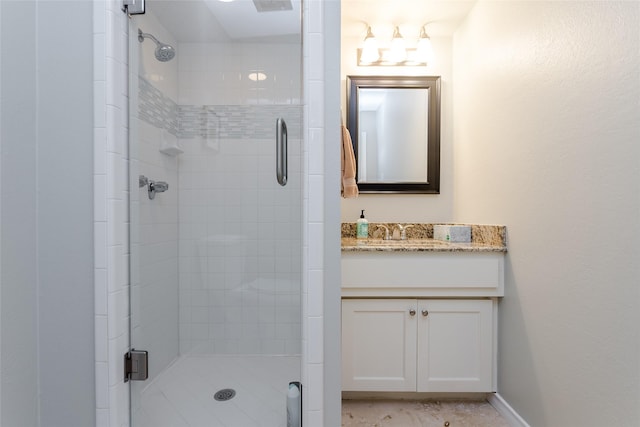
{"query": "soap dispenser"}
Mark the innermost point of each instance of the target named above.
(362, 227)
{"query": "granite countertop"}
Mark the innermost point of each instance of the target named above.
(350, 244)
(484, 238)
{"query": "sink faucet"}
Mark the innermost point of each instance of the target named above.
(400, 231)
(386, 231)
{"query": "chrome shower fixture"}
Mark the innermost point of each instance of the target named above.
(164, 52)
(153, 187)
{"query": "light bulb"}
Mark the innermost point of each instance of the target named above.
(370, 51)
(257, 76)
(398, 51)
(424, 49)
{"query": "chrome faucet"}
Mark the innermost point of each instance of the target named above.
(153, 187)
(386, 231)
(400, 231)
(156, 187)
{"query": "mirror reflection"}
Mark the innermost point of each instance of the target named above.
(394, 123)
(393, 137)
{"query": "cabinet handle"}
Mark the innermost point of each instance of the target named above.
(412, 312)
(425, 313)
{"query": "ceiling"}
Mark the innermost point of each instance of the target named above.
(442, 16)
(221, 21)
(217, 21)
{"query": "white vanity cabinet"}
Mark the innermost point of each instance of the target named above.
(379, 344)
(398, 336)
(437, 345)
(455, 345)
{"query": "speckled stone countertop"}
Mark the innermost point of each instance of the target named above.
(484, 238)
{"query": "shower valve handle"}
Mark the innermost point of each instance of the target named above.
(158, 186)
(153, 187)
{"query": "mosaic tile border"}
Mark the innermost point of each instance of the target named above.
(214, 121)
(156, 108)
(237, 121)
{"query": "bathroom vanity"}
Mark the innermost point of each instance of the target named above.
(420, 315)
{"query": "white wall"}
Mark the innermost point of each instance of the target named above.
(19, 334)
(47, 292)
(546, 142)
(218, 73)
(415, 207)
(322, 160)
(1, 97)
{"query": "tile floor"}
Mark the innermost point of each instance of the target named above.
(182, 396)
(407, 413)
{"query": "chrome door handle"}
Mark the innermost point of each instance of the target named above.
(281, 152)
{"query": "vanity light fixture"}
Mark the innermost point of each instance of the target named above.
(397, 54)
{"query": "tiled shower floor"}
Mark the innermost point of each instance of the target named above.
(183, 394)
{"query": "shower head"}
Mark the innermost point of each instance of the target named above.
(164, 52)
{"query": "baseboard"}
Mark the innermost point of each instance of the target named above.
(506, 411)
(423, 396)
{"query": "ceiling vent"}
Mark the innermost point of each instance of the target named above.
(272, 5)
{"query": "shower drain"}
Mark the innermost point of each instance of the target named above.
(224, 394)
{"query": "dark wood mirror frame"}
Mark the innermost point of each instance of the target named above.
(354, 84)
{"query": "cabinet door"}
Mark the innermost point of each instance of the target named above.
(455, 345)
(379, 345)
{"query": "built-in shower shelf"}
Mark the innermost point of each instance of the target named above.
(169, 144)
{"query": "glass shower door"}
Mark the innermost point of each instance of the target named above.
(215, 238)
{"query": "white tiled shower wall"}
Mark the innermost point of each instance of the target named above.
(239, 231)
(240, 264)
(111, 220)
(154, 258)
(239, 270)
(154, 223)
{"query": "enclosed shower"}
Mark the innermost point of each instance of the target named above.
(215, 123)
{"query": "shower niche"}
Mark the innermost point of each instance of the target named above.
(216, 258)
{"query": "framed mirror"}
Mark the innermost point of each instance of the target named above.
(394, 123)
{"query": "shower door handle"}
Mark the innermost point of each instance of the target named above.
(281, 152)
